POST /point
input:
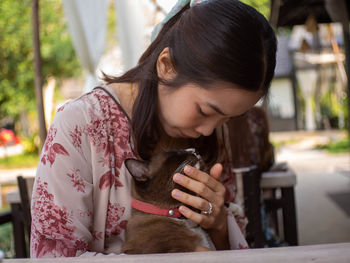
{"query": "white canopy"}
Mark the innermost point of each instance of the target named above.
(87, 23)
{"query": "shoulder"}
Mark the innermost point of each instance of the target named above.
(96, 117)
(97, 102)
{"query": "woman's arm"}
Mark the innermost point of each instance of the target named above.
(62, 204)
(220, 236)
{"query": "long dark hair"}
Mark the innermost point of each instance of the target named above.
(249, 139)
(215, 40)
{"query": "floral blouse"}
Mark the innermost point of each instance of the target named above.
(81, 197)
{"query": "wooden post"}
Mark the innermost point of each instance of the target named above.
(38, 71)
(296, 103)
(346, 35)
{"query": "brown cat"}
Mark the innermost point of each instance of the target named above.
(165, 231)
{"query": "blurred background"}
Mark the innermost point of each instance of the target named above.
(53, 51)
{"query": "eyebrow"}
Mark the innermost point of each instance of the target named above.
(216, 108)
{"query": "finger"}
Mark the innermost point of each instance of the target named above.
(199, 219)
(202, 177)
(195, 186)
(191, 200)
(216, 171)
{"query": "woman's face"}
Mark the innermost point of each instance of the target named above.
(191, 111)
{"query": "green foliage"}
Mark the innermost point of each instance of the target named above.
(15, 56)
(16, 52)
(6, 240)
(344, 108)
(329, 104)
(111, 27)
(277, 144)
(341, 146)
(24, 160)
(31, 145)
(263, 6)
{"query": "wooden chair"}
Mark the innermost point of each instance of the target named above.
(280, 181)
(248, 190)
(25, 186)
(21, 217)
(251, 184)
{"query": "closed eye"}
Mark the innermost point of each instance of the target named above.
(201, 112)
(242, 115)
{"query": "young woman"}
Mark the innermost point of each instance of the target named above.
(210, 62)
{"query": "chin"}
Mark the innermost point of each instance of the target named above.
(183, 135)
(177, 133)
(174, 133)
(171, 132)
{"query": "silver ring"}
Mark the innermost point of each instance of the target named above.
(209, 211)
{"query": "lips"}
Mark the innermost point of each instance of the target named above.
(183, 135)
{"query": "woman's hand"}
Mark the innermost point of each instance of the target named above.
(209, 189)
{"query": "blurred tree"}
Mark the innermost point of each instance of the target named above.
(263, 6)
(330, 106)
(16, 53)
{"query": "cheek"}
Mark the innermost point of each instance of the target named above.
(183, 116)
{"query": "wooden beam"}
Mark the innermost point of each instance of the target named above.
(38, 71)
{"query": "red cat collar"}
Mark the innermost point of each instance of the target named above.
(155, 210)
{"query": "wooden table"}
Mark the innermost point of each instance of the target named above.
(328, 253)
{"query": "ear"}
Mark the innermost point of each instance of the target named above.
(138, 169)
(165, 68)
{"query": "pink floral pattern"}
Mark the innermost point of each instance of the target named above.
(228, 179)
(51, 148)
(77, 181)
(115, 121)
(54, 221)
(97, 235)
(109, 179)
(114, 224)
(76, 135)
(61, 108)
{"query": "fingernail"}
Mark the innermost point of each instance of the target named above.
(176, 193)
(188, 170)
(183, 209)
(178, 178)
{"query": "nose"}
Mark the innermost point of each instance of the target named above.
(205, 129)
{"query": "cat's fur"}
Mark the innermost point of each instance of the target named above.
(152, 183)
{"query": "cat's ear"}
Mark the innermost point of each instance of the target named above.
(138, 169)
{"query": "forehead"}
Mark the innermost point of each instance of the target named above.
(230, 98)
